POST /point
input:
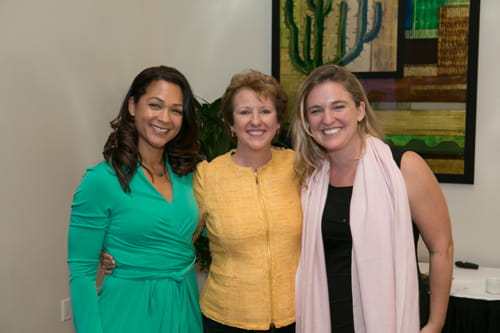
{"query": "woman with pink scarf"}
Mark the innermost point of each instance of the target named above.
(357, 270)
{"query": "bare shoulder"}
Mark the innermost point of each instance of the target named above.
(427, 203)
(414, 167)
(424, 191)
(412, 161)
(421, 183)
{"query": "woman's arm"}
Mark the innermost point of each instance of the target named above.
(87, 229)
(430, 214)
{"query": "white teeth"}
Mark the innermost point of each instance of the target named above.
(255, 132)
(331, 131)
(163, 130)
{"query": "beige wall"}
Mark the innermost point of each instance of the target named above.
(64, 66)
(475, 209)
(211, 40)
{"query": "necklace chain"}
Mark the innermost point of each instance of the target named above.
(159, 174)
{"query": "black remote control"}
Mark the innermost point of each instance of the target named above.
(466, 264)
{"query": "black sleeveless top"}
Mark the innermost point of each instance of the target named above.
(337, 243)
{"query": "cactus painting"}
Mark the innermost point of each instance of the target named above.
(416, 59)
(362, 35)
(310, 54)
(353, 33)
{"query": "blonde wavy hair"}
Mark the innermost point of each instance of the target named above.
(308, 153)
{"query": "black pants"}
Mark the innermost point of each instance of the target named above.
(210, 326)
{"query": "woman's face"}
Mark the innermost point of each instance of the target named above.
(255, 120)
(333, 116)
(158, 115)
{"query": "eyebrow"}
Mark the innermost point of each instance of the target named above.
(155, 98)
(331, 103)
(162, 101)
(312, 107)
(338, 102)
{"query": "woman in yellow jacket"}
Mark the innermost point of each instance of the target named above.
(250, 206)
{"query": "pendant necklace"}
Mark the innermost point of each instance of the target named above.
(159, 174)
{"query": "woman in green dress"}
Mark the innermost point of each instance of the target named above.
(139, 205)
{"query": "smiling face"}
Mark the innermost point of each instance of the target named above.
(333, 117)
(255, 121)
(157, 115)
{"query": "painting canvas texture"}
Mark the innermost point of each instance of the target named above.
(417, 60)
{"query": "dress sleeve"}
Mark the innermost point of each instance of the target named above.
(87, 228)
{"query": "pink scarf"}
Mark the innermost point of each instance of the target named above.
(384, 272)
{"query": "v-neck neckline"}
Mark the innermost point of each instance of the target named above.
(169, 174)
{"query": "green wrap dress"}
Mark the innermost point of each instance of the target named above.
(153, 288)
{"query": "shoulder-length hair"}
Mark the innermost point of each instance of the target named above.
(121, 148)
(309, 153)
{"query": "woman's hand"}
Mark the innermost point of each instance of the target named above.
(107, 262)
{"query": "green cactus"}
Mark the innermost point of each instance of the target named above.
(319, 11)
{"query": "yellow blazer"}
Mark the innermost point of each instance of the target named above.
(254, 225)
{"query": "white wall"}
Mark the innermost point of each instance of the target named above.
(475, 209)
(64, 67)
(209, 41)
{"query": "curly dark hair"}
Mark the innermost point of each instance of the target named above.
(121, 148)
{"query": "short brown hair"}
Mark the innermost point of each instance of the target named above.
(263, 85)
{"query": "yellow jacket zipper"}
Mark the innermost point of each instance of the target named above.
(269, 261)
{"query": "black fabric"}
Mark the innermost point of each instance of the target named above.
(211, 326)
(466, 315)
(397, 154)
(337, 243)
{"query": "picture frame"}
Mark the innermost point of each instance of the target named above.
(426, 99)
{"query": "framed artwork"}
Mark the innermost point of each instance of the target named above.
(417, 60)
